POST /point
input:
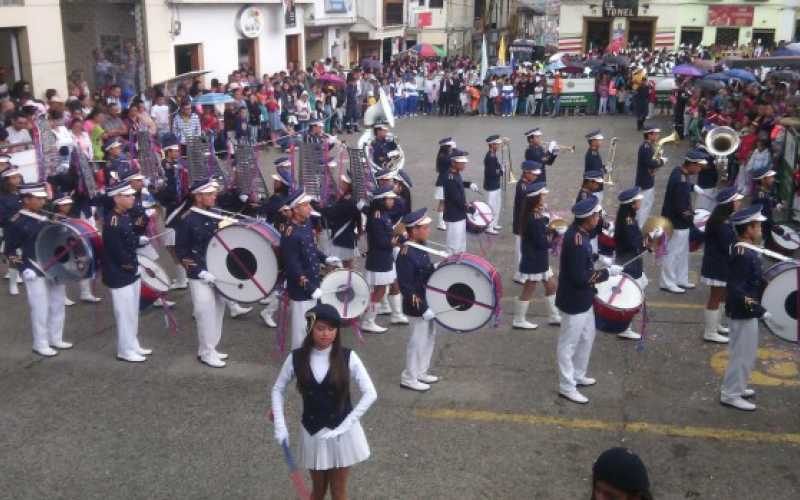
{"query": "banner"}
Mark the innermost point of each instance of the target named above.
(424, 19)
(730, 15)
(620, 8)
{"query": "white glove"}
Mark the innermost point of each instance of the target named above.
(655, 233)
(29, 275)
(338, 431)
(207, 277)
(334, 261)
(281, 435)
(160, 182)
(766, 316)
(361, 204)
(697, 189)
(428, 314)
(614, 270)
(143, 240)
(664, 160)
(243, 198)
(474, 187)
(316, 294)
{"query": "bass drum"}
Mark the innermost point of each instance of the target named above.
(347, 291)
(616, 302)
(243, 257)
(697, 238)
(787, 243)
(780, 299)
(154, 281)
(479, 220)
(68, 250)
(464, 292)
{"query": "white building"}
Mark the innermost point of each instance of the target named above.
(443, 23)
(379, 29)
(327, 29)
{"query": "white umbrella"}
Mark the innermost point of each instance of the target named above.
(556, 57)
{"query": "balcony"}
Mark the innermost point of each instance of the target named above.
(393, 13)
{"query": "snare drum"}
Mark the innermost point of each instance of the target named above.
(464, 292)
(617, 301)
(154, 282)
(479, 220)
(696, 238)
(347, 291)
(243, 257)
(68, 250)
(780, 299)
(787, 243)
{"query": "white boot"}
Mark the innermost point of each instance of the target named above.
(629, 334)
(368, 321)
(396, 303)
(711, 322)
(722, 329)
(86, 292)
(13, 289)
(236, 310)
(180, 282)
(384, 307)
(163, 302)
(518, 278)
(68, 302)
(442, 225)
(555, 315)
(520, 310)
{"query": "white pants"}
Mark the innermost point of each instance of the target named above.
(517, 252)
(125, 301)
(706, 202)
(209, 309)
(419, 349)
(297, 320)
(675, 264)
(742, 350)
(46, 301)
(575, 339)
(495, 201)
(648, 195)
(457, 236)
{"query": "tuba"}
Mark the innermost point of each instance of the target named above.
(380, 111)
(721, 142)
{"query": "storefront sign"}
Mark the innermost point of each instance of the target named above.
(337, 6)
(620, 8)
(424, 19)
(251, 22)
(730, 15)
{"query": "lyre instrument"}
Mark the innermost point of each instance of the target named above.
(609, 170)
(721, 142)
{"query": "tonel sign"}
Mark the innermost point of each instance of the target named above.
(620, 8)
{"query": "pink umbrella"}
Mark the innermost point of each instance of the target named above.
(332, 79)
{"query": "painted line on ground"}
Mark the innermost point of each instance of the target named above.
(611, 426)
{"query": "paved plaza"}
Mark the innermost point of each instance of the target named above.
(84, 426)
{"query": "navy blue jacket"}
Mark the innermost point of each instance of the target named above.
(492, 172)
(193, 233)
(120, 241)
(768, 202)
(538, 153)
(343, 218)
(519, 199)
(320, 408)
(678, 200)
(719, 241)
(138, 215)
(455, 201)
(117, 169)
(745, 284)
(593, 161)
(708, 177)
(301, 259)
(379, 242)
(577, 277)
(629, 243)
(380, 148)
(414, 267)
(20, 234)
(442, 167)
(534, 245)
(10, 203)
(646, 166)
(171, 194)
(398, 211)
(270, 210)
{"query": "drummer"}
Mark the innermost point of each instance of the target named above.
(534, 265)
(172, 192)
(715, 271)
(764, 196)
(63, 207)
(446, 146)
(270, 210)
(744, 310)
(492, 181)
(574, 296)
(530, 173)
(646, 166)
(591, 186)
(414, 267)
(45, 296)
(343, 219)
(455, 202)
(121, 271)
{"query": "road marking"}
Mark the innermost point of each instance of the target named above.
(610, 426)
(773, 367)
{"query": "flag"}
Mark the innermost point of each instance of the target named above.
(501, 52)
(484, 60)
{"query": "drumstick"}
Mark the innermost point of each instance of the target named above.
(635, 258)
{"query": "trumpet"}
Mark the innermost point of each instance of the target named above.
(553, 146)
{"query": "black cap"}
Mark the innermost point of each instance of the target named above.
(622, 469)
(324, 312)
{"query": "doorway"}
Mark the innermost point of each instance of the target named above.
(727, 37)
(10, 60)
(766, 38)
(248, 54)
(691, 36)
(640, 34)
(598, 33)
(293, 50)
(187, 58)
(386, 51)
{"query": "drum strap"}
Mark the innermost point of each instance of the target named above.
(342, 229)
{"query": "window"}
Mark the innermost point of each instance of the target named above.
(765, 36)
(436, 4)
(691, 36)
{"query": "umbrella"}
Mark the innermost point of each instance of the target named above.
(212, 98)
(687, 70)
(793, 46)
(573, 69)
(720, 77)
(741, 74)
(784, 75)
(708, 84)
(788, 61)
(332, 79)
(618, 60)
(556, 57)
(503, 71)
(786, 52)
(373, 64)
(427, 50)
(704, 64)
(555, 66)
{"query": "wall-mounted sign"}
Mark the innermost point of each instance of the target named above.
(337, 6)
(620, 8)
(424, 19)
(730, 15)
(250, 22)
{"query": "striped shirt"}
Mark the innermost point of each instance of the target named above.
(183, 127)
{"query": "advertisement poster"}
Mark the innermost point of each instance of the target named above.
(730, 15)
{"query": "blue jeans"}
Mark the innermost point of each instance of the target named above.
(514, 103)
(482, 105)
(411, 104)
(399, 106)
(507, 105)
(556, 104)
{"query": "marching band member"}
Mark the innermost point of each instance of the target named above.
(343, 218)
(646, 166)
(708, 177)
(446, 147)
(45, 297)
(331, 437)
(678, 209)
(764, 196)
(742, 307)
(380, 259)
(172, 194)
(195, 230)
(576, 280)
(117, 166)
(315, 135)
(715, 271)
(593, 161)
(536, 152)
(270, 210)
(530, 173)
(534, 265)
(402, 187)
(121, 271)
(380, 146)
(301, 260)
(414, 267)
(63, 207)
(492, 181)
(591, 186)
(10, 204)
(455, 203)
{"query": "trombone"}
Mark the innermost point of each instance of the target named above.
(507, 163)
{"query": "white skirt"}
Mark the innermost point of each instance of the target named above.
(342, 252)
(169, 237)
(343, 451)
(538, 276)
(378, 278)
(439, 193)
(713, 282)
